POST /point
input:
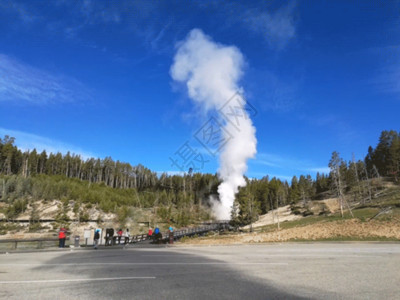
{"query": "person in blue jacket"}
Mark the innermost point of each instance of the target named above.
(96, 238)
(157, 235)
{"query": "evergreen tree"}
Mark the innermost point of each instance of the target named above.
(394, 158)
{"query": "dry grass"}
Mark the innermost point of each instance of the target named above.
(350, 229)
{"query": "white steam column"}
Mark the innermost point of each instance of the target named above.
(211, 72)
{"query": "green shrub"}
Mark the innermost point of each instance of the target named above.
(84, 217)
(308, 213)
(16, 208)
(6, 227)
(34, 227)
(184, 239)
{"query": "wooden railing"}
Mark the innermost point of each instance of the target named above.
(40, 241)
(115, 240)
(165, 236)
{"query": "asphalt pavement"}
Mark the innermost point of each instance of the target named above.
(271, 271)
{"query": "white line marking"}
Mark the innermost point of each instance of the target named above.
(152, 263)
(171, 255)
(271, 255)
(314, 256)
(72, 280)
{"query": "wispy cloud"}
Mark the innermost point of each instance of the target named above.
(170, 173)
(335, 124)
(267, 159)
(28, 141)
(324, 170)
(267, 163)
(134, 15)
(281, 96)
(284, 163)
(21, 11)
(277, 27)
(82, 14)
(21, 82)
(131, 17)
(388, 78)
(252, 175)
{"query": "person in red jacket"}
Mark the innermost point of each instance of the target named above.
(150, 233)
(119, 236)
(61, 237)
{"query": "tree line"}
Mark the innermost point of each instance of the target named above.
(26, 174)
(385, 157)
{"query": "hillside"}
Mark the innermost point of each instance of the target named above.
(312, 220)
(377, 220)
(38, 206)
(51, 215)
(39, 193)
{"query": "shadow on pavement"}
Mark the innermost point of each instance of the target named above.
(178, 276)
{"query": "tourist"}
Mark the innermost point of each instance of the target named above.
(96, 238)
(61, 237)
(119, 236)
(127, 236)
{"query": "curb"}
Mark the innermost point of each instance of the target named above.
(89, 248)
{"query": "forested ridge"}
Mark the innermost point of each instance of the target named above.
(110, 185)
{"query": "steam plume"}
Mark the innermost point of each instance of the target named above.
(211, 72)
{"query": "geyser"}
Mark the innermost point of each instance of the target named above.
(211, 72)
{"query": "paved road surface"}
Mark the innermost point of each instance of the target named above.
(276, 271)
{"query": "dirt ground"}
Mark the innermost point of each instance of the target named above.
(285, 213)
(352, 229)
(49, 210)
(281, 214)
(332, 204)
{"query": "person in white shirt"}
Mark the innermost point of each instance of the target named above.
(127, 236)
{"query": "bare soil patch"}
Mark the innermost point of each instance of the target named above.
(281, 214)
(351, 229)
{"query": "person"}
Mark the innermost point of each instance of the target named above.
(157, 235)
(127, 236)
(61, 237)
(96, 238)
(119, 235)
(171, 234)
(109, 236)
(150, 233)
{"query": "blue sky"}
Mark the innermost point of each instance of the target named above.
(94, 78)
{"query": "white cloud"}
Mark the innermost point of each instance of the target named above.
(21, 82)
(27, 141)
(321, 170)
(171, 173)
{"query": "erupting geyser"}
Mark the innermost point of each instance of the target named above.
(211, 72)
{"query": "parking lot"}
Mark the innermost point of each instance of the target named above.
(273, 271)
